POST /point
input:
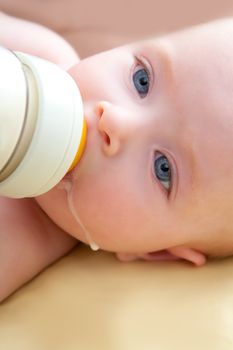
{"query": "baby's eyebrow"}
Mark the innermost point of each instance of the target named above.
(162, 50)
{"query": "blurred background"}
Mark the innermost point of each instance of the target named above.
(95, 25)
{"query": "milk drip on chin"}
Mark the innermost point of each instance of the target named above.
(67, 185)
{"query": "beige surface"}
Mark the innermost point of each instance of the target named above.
(91, 301)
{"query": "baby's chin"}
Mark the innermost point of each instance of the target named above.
(59, 205)
(54, 203)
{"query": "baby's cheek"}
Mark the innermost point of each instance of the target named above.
(104, 219)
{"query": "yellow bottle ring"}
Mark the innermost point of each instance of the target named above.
(81, 146)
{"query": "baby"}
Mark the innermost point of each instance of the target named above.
(156, 178)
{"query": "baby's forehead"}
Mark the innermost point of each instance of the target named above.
(205, 126)
(200, 61)
(202, 74)
(202, 69)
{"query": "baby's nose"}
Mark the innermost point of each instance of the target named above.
(112, 127)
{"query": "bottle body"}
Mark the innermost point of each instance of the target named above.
(42, 127)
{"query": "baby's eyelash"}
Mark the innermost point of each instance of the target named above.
(141, 76)
(143, 62)
(144, 75)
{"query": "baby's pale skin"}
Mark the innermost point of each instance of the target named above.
(186, 116)
(161, 101)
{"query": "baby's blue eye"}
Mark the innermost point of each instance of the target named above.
(141, 82)
(162, 171)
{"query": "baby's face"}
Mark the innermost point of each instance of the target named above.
(157, 170)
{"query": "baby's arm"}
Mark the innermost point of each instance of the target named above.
(29, 240)
(20, 35)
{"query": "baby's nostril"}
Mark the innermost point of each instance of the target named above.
(106, 138)
(99, 111)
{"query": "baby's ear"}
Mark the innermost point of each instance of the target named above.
(175, 253)
(189, 254)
